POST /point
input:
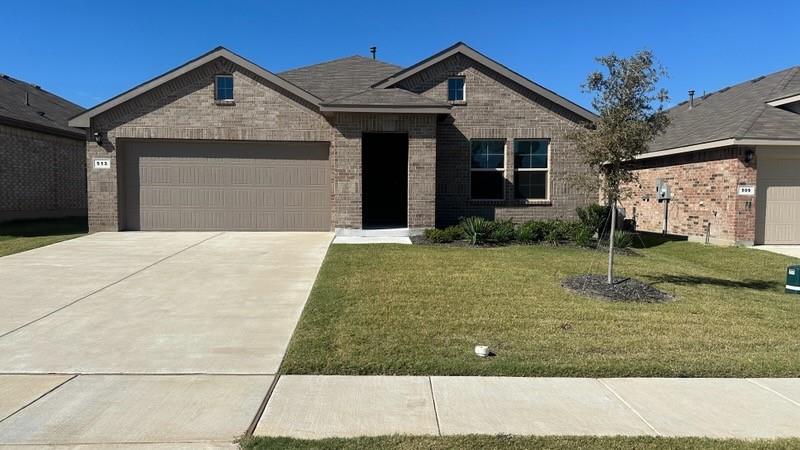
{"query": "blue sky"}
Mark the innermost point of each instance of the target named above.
(88, 51)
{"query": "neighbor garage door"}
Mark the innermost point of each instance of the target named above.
(778, 191)
(226, 186)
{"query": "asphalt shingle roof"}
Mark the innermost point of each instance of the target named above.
(341, 77)
(387, 97)
(739, 111)
(43, 109)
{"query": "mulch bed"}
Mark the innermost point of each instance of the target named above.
(622, 290)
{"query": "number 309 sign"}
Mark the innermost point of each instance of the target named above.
(746, 190)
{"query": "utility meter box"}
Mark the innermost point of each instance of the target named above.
(662, 190)
(793, 279)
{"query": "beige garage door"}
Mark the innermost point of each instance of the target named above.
(226, 186)
(778, 193)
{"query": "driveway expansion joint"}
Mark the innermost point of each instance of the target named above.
(61, 308)
(262, 407)
(38, 398)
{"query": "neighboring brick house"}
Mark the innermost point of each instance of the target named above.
(42, 160)
(220, 143)
(732, 162)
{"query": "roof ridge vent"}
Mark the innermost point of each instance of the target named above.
(756, 80)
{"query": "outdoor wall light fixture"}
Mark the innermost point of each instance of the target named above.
(748, 156)
(98, 138)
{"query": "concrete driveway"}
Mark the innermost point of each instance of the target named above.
(148, 337)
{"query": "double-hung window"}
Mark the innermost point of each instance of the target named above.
(223, 88)
(531, 171)
(487, 180)
(455, 89)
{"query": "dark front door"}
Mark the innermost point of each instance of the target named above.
(384, 201)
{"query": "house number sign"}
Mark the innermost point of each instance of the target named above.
(747, 190)
(102, 163)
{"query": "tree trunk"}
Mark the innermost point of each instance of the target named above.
(613, 203)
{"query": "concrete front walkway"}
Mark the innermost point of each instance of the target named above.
(345, 406)
(173, 338)
(788, 250)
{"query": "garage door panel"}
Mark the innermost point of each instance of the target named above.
(778, 193)
(227, 186)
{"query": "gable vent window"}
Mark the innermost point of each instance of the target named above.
(455, 89)
(223, 88)
(531, 169)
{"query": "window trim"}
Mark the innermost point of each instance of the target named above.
(546, 197)
(224, 101)
(502, 170)
(463, 90)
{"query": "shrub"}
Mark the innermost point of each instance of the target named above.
(622, 239)
(531, 231)
(558, 230)
(503, 231)
(476, 229)
(595, 217)
(444, 236)
(583, 236)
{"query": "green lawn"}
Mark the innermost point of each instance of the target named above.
(419, 310)
(515, 443)
(19, 236)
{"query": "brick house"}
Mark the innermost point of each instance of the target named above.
(731, 160)
(42, 160)
(220, 143)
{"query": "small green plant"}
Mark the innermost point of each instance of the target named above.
(503, 231)
(531, 232)
(476, 229)
(583, 236)
(445, 235)
(595, 218)
(622, 239)
(557, 231)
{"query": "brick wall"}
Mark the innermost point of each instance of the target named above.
(421, 129)
(497, 108)
(704, 189)
(41, 175)
(184, 108)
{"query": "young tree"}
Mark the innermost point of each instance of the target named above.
(630, 108)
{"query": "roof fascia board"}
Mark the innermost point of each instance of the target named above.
(687, 149)
(386, 109)
(493, 65)
(82, 120)
(784, 100)
(77, 134)
(720, 143)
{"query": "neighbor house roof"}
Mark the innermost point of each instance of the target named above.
(29, 106)
(737, 114)
(471, 53)
(386, 100)
(341, 77)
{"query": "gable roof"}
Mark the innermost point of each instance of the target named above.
(82, 120)
(386, 100)
(340, 77)
(44, 111)
(737, 112)
(471, 53)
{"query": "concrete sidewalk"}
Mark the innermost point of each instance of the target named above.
(306, 406)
